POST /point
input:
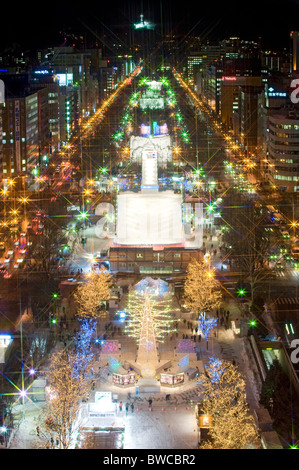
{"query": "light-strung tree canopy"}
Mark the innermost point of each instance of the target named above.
(202, 292)
(65, 390)
(225, 401)
(92, 293)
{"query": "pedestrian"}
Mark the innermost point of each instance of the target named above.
(52, 442)
(37, 430)
(120, 406)
(127, 407)
(132, 407)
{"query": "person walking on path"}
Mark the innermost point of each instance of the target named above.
(127, 408)
(120, 406)
(132, 407)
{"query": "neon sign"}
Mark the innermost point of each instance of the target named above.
(276, 94)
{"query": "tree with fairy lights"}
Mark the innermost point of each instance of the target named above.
(214, 369)
(91, 294)
(83, 354)
(206, 324)
(67, 387)
(201, 290)
(232, 427)
(150, 319)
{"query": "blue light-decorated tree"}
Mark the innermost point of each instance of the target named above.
(83, 354)
(206, 324)
(215, 369)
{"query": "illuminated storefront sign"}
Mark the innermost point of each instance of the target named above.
(172, 379)
(65, 79)
(205, 421)
(120, 379)
(276, 94)
(41, 72)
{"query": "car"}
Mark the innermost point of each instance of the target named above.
(7, 275)
(10, 253)
(7, 260)
(2, 246)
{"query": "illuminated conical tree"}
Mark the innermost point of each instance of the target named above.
(147, 313)
(150, 320)
(225, 401)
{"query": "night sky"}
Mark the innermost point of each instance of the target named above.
(34, 24)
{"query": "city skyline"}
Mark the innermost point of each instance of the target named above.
(40, 28)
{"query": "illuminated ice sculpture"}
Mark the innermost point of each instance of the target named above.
(149, 217)
(161, 144)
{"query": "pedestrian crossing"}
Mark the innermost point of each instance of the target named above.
(287, 300)
(290, 273)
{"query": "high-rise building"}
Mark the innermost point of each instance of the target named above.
(20, 137)
(294, 51)
(48, 86)
(283, 148)
(250, 101)
(230, 95)
(30, 121)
